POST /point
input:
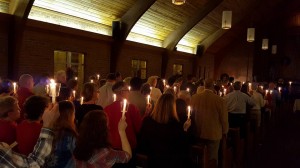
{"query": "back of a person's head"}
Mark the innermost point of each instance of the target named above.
(72, 84)
(102, 82)
(254, 86)
(88, 91)
(200, 89)
(6, 86)
(127, 80)
(34, 107)
(272, 85)
(117, 87)
(145, 89)
(93, 135)
(111, 77)
(237, 85)
(136, 83)
(7, 105)
(118, 75)
(61, 76)
(165, 109)
(209, 83)
(152, 80)
(25, 80)
(170, 91)
(66, 118)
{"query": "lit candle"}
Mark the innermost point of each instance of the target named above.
(98, 76)
(231, 84)
(267, 91)
(243, 82)
(148, 99)
(124, 107)
(222, 86)
(271, 91)
(220, 93)
(115, 97)
(74, 93)
(279, 89)
(47, 89)
(250, 86)
(189, 112)
(15, 87)
(262, 87)
(76, 78)
(290, 82)
(225, 92)
(188, 89)
(129, 88)
(164, 81)
(81, 100)
(167, 86)
(175, 89)
(53, 90)
(92, 81)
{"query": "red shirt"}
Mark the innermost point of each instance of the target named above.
(133, 119)
(7, 131)
(27, 136)
(22, 95)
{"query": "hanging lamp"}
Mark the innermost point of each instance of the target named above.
(226, 19)
(250, 34)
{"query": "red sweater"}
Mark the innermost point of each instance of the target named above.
(7, 131)
(23, 94)
(27, 136)
(133, 119)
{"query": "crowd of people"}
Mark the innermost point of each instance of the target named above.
(118, 119)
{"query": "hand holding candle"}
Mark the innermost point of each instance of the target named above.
(124, 107)
(81, 100)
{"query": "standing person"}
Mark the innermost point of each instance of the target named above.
(64, 139)
(10, 112)
(211, 119)
(93, 147)
(133, 119)
(29, 129)
(155, 92)
(90, 97)
(236, 102)
(162, 137)
(118, 76)
(106, 92)
(255, 112)
(41, 149)
(26, 86)
(135, 96)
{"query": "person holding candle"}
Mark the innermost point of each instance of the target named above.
(155, 92)
(90, 96)
(133, 119)
(26, 86)
(162, 137)
(93, 146)
(211, 119)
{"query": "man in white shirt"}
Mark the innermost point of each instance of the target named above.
(259, 103)
(237, 102)
(105, 92)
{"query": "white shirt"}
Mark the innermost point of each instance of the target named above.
(258, 99)
(105, 95)
(236, 102)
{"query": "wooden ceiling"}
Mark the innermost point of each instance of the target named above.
(197, 22)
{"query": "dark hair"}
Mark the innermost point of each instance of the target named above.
(34, 107)
(117, 74)
(237, 85)
(111, 76)
(88, 91)
(136, 83)
(65, 122)
(93, 135)
(145, 89)
(72, 83)
(6, 86)
(117, 86)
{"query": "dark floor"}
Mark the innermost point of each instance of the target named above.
(281, 146)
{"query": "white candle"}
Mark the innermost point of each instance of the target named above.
(47, 89)
(98, 76)
(279, 89)
(231, 84)
(225, 92)
(92, 81)
(220, 93)
(15, 87)
(124, 107)
(188, 89)
(271, 91)
(164, 81)
(167, 86)
(129, 88)
(222, 86)
(175, 89)
(148, 99)
(250, 86)
(115, 97)
(81, 100)
(53, 90)
(262, 87)
(74, 93)
(267, 91)
(189, 112)
(290, 82)
(76, 78)
(243, 82)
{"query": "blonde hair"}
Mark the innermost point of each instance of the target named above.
(151, 80)
(7, 105)
(165, 109)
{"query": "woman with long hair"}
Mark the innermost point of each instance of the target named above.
(93, 147)
(65, 137)
(162, 137)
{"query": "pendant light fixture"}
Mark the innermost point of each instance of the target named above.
(265, 44)
(226, 19)
(274, 49)
(178, 2)
(250, 34)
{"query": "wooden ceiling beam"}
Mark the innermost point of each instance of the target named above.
(173, 38)
(130, 18)
(20, 8)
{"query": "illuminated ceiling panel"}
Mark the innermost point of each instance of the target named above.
(162, 18)
(4, 5)
(97, 14)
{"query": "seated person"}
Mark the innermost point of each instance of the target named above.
(28, 130)
(10, 112)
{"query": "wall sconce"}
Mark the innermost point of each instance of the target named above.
(250, 34)
(274, 49)
(178, 2)
(265, 44)
(226, 19)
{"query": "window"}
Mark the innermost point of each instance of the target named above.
(139, 68)
(177, 69)
(71, 61)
